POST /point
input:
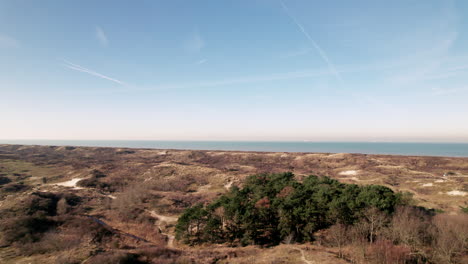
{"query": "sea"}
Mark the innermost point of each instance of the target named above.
(393, 148)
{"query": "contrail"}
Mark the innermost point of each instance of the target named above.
(312, 41)
(79, 68)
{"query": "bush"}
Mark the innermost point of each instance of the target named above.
(116, 258)
(4, 180)
(464, 209)
(51, 241)
(94, 182)
(385, 252)
(87, 226)
(14, 187)
(175, 184)
(158, 254)
(42, 203)
(25, 229)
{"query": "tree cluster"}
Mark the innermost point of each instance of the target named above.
(271, 208)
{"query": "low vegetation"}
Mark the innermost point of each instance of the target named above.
(106, 205)
(377, 224)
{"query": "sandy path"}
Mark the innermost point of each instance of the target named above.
(170, 240)
(303, 258)
(163, 218)
(167, 219)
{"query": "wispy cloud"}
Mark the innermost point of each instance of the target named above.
(243, 80)
(194, 42)
(8, 42)
(321, 52)
(293, 75)
(102, 37)
(201, 61)
(79, 68)
(206, 84)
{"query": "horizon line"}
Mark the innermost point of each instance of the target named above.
(252, 140)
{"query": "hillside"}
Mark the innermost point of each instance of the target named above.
(97, 204)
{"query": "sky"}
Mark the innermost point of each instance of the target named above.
(234, 70)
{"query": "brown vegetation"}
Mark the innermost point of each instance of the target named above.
(109, 219)
(412, 236)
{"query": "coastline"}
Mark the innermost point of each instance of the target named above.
(365, 148)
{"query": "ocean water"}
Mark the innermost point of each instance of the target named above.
(418, 149)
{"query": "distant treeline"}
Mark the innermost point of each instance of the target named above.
(271, 208)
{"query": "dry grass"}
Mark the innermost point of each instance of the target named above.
(168, 181)
(284, 254)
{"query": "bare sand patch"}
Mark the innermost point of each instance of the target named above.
(71, 183)
(337, 155)
(228, 185)
(457, 193)
(349, 173)
(428, 184)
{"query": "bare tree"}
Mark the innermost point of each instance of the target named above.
(409, 226)
(374, 220)
(358, 234)
(338, 234)
(450, 234)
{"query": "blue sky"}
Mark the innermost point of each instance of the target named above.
(234, 70)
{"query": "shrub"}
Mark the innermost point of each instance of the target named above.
(4, 180)
(116, 258)
(51, 241)
(94, 182)
(385, 252)
(158, 254)
(98, 174)
(464, 209)
(42, 202)
(87, 226)
(25, 229)
(14, 187)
